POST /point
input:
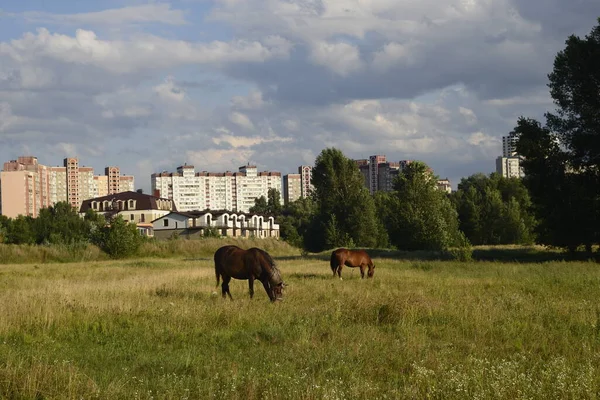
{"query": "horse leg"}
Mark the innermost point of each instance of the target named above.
(362, 271)
(251, 285)
(339, 271)
(268, 290)
(225, 287)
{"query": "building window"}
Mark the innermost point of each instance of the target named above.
(165, 222)
(143, 218)
(132, 217)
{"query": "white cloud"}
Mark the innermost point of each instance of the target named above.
(253, 101)
(241, 120)
(138, 14)
(245, 141)
(169, 91)
(341, 58)
(142, 52)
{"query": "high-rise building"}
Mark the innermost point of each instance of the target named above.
(47, 186)
(509, 164)
(292, 188)
(100, 186)
(509, 167)
(388, 171)
(509, 145)
(237, 191)
(374, 162)
(306, 186)
(24, 187)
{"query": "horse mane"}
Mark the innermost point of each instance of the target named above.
(268, 257)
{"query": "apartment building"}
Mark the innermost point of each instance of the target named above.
(306, 186)
(28, 186)
(509, 145)
(233, 191)
(509, 167)
(379, 174)
(24, 187)
(292, 188)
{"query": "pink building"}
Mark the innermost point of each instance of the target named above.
(24, 185)
(27, 186)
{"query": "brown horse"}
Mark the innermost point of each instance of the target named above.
(234, 262)
(351, 258)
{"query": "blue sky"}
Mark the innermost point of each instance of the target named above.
(150, 85)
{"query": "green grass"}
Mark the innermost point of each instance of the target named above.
(152, 328)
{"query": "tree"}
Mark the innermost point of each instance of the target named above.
(562, 159)
(487, 209)
(4, 222)
(268, 206)
(575, 87)
(60, 224)
(120, 239)
(422, 217)
(343, 204)
(296, 219)
(20, 231)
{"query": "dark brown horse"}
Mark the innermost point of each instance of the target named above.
(234, 262)
(351, 258)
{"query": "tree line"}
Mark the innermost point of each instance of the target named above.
(61, 224)
(415, 215)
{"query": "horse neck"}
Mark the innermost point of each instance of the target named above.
(273, 274)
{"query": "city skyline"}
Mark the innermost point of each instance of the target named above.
(150, 85)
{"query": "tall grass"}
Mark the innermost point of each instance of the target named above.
(154, 328)
(195, 248)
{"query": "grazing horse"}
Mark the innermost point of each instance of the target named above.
(351, 258)
(234, 262)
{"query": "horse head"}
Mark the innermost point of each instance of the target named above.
(276, 283)
(371, 271)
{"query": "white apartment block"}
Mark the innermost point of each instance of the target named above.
(197, 191)
(306, 186)
(509, 145)
(509, 167)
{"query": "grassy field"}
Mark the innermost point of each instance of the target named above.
(153, 329)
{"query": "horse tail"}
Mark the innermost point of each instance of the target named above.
(333, 261)
(217, 261)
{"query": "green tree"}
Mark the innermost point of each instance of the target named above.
(120, 239)
(260, 206)
(95, 225)
(271, 205)
(4, 222)
(343, 204)
(20, 230)
(423, 217)
(60, 224)
(486, 210)
(575, 87)
(296, 219)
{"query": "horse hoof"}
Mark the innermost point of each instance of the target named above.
(341, 279)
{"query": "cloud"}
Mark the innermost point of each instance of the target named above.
(341, 58)
(143, 52)
(138, 14)
(244, 141)
(274, 82)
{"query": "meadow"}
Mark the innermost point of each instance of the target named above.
(154, 328)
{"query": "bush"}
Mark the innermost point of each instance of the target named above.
(120, 239)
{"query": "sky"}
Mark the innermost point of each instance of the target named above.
(150, 85)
